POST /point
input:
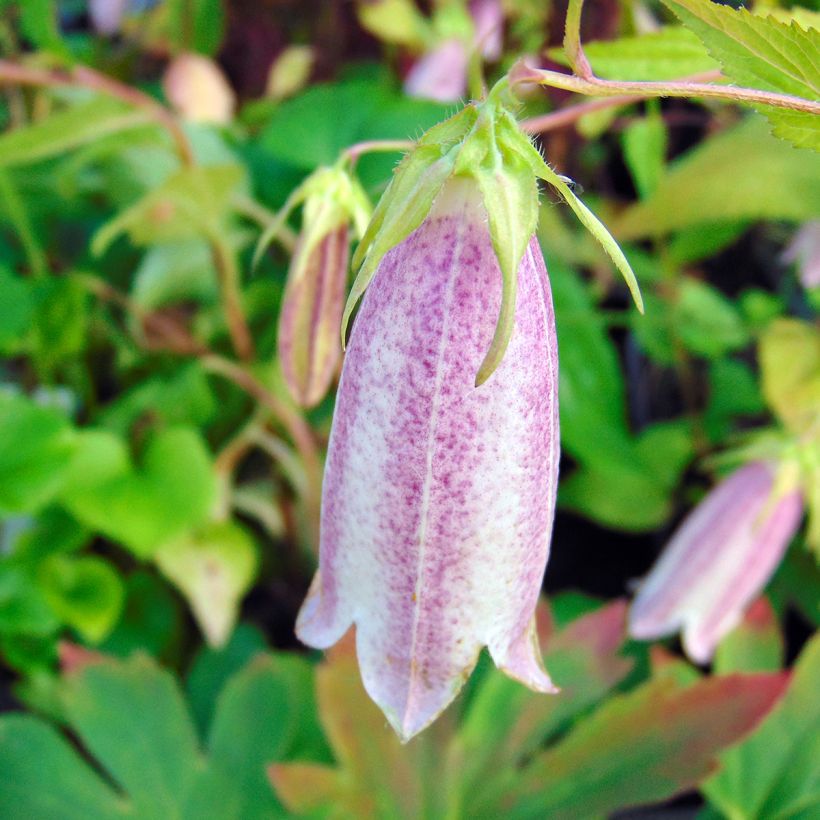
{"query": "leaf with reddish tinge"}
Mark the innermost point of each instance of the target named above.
(377, 776)
(642, 747)
(506, 723)
(775, 773)
(444, 772)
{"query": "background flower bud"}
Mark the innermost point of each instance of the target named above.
(308, 341)
(718, 561)
(439, 495)
(196, 87)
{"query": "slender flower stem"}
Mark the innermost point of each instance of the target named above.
(84, 77)
(353, 152)
(572, 113)
(289, 418)
(228, 273)
(596, 87)
(250, 208)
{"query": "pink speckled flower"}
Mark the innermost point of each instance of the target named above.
(439, 495)
(718, 560)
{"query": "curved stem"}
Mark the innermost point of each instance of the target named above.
(595, 87)
(572, 113)
(353, 152)
(228, 273)
(296, 426)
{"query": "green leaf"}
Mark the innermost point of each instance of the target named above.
(754, 645)
(36, 446)
(733, 391)
(173, 272)
(142, 507)
(133, 723)
(706, 321)
(312, 129)
(191, 203)
(213, 568)
(212, 667)
(39, 22)
(592, 392)
(642, 747)
(60, 322)
(86, 593)
(16, 309)
(774, 772)
(644, 145)
(196, 25)
(789, 355)
(633, 493)
(668, 54)
(23, 607)
(31, 750)
(274, 692)
(150, 621)
(67, 129)
(132, 718)
(727, 178)
(761, 52)
(181, 396)
(505, 723)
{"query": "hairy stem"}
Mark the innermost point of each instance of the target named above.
(595, 87)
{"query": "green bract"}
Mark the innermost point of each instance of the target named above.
(484, 143)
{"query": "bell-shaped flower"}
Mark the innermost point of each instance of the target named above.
(442, 465)
(719, 560)
(439, 495)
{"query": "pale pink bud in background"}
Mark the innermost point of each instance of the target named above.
(718, 561)
(197, 89)
(804, 251)
(438, 496)
(488, 18)
(106, 15)
(309, 345)
(441, 74)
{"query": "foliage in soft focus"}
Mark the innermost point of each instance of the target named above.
(181, 182)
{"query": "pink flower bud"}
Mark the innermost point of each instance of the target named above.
(438, 496)
(441, 74)
(718, 561)
(309, 346)
(197, 89)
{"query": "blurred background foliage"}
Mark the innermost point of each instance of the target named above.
(159, 486)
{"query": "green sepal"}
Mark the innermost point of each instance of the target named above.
(332, 197)
(588, 219)
(510, 194)
(407, 200)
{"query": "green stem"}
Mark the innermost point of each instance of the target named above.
(228, 273)
(352, 153)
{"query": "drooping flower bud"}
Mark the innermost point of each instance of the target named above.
(442, 465)
(438, 496)
(719, 560)
(308, 342)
